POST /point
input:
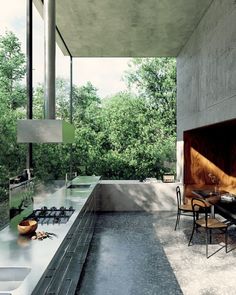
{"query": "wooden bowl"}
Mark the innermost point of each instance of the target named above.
(26, 227)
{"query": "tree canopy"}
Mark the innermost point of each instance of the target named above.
(12, 104)
(155, 80)
(134, 143)
(12, 70)
(125, 136)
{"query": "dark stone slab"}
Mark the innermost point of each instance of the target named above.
(126, 257)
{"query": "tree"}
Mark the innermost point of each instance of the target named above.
(83, 97)
(86, 115)
(12, 71)
(155, 80)
(52, 160)
(123, 137)
(12, 105)
(48, 158)
(12, 156)
(134, 143)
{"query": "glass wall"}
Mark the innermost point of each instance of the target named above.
(50, 161)
(12, 94)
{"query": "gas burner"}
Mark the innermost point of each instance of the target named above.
(52, 215)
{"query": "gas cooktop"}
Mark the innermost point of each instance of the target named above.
(52, 215)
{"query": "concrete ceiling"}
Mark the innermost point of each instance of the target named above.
(126, 28)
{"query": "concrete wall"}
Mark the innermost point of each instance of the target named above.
(206, 73)
(137, 196)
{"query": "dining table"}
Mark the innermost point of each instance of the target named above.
(223, 202)
(210, 196)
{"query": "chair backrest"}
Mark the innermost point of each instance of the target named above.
(178, 196)
(200, 205)
(197, 202)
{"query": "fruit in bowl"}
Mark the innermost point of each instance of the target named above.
(27, 226)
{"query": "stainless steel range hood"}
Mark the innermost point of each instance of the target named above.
(45, 131)
(48, 130)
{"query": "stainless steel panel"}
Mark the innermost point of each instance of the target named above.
(44, 131)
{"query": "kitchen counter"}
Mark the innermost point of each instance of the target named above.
(132, 181)
(18, 251)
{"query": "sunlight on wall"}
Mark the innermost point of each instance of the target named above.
(200, 167)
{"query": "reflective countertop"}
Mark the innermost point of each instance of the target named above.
(18, 251)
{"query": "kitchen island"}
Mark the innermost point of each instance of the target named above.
(51, 266)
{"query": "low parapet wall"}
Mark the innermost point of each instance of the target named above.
(132, 195)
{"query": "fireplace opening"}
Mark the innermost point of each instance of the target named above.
(210, 150)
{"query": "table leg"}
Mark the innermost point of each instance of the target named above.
(212, 211)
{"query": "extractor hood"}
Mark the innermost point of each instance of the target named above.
(45, 131)
(48, 130)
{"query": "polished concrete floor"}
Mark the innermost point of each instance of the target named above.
(127, 258)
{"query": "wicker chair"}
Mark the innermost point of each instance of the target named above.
(182, 209)
(206, 222)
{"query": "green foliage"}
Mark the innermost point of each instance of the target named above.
(133, 143)
(12, 70)
(12, 105)
(53, 160)
(155, 80)
(13, 155)
(122, 137)
(84, 96)
(38, 102)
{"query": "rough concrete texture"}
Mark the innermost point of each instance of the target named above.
(137, 196)
(206, 71)
(121, 28)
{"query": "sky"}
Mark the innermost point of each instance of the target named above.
(104, 73)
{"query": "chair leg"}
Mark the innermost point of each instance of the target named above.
(191, 237)
(210, 236)
(206, 243)
(197, 226)
(226, 240)
(177, 219)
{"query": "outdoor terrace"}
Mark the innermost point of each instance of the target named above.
(137, 251)
(140, 253)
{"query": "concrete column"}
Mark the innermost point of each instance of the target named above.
(50, 57)
(180, 161)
